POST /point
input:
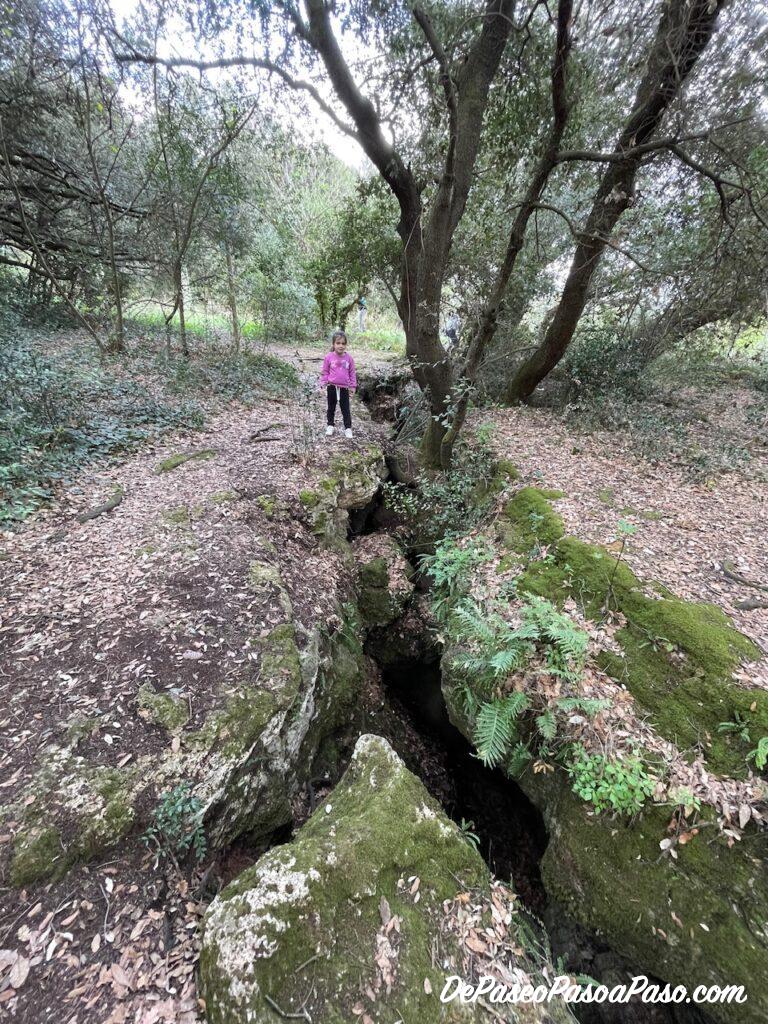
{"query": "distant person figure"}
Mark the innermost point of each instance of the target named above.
(362, 312)
(338, 377)
(452, 328)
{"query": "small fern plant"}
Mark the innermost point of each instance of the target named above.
(450, 570)
(760, 753)
(494, 650)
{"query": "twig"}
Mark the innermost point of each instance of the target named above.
(728, 571)
(306, 963)
(113, 502)
(303, 1015)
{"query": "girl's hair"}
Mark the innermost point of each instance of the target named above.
(338, 334)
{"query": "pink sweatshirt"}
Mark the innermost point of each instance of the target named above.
(339, 370)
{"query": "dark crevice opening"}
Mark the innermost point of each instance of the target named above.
(510, 831)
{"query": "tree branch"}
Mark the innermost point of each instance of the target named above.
(298, 84)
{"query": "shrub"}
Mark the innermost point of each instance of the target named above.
(447, 503)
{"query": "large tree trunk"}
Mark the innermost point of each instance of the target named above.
(684, 31)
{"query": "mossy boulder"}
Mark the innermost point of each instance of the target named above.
(384, 580)
(245, 764)
(678, 657)
(351, 483)
(70, 811)
(699, 920)
(351, 909)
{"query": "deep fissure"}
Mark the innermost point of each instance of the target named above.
(494, 812)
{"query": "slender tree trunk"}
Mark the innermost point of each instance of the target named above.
(683, 33)
(231, 286)
(178, 282)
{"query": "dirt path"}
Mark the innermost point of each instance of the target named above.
(151, 592)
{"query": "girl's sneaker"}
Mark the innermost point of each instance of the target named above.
(328, 431)
(348, 432)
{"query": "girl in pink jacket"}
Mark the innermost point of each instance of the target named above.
(339, 379)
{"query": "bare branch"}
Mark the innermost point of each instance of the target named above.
(298, 84)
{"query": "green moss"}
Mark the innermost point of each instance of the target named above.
(309, 498)
(174, 461)
(698, 920)
(679, 657)
(182, 516)
(378, 605)
(38, 853)
(244, 719)
(606, 495)
(265, 579)
(146, 549)
(165, 710)
(507, 470)
(223, 497)
(81, 726)
(176, 516)
(267, 503)
(280, 662)
(99, 807)
(529, 520)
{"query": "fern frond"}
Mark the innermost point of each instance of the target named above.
(518, 759)
(546, 723)
(505, 661)
(495, 727)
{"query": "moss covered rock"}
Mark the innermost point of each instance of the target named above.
(336, 916)
(265, 579)
(70, 811)
(701, 919)
(678, 657)
(244, 765)
(351, 483)
(163, 709)
(384, 580)
(174, 461)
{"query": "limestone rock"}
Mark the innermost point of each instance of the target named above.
(384, 579)
(343, 920)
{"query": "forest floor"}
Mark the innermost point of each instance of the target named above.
(693, 535)
(154, 588)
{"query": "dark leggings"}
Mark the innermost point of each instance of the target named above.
(343, 402)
